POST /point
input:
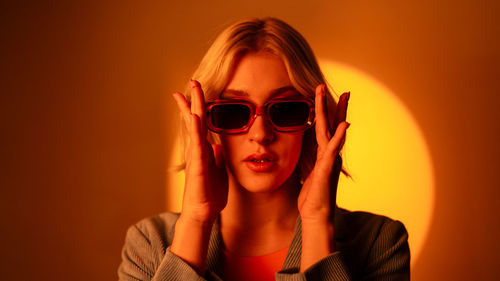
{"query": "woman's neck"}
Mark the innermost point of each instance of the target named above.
(255, 224)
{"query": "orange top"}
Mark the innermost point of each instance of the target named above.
(252, 268)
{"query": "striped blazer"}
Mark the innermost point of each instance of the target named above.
(368, 247)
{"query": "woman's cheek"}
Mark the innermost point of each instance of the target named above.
(230, 147)
(295, 147)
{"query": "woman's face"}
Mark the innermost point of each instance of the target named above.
(261, 159)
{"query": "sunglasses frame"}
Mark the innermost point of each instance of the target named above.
(260, 110)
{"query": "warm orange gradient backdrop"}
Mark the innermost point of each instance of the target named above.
(87, 120)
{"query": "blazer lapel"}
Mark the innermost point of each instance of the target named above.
(215, 245)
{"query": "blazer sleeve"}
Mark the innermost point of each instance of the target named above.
(387, 260)
(146, 256)
(389, 257)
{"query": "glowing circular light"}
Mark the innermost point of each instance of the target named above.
(386, 154)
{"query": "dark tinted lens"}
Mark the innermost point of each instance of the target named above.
(289, 113)
(230, 116)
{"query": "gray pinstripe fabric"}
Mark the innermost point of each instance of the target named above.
(369, 247)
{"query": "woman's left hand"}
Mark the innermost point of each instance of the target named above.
(317, 197)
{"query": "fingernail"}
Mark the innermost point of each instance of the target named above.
(193, 83)
(348, 125)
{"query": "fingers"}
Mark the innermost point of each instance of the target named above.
(322, 129)
(328, 158)
(183, 106)
(335, 143)
(196, 145)
(323, 134)
(341, 111)
(196, 107)
(198, 103)
(194, 118)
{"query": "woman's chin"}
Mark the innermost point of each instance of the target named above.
(262, 184)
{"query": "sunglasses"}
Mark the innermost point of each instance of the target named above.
(236, 116)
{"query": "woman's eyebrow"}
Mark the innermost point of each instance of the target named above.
(282, 90)
(241, 93)
(232, 92)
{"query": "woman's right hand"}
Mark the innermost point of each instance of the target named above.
(206, 185)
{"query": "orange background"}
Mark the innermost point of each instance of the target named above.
(87, 118)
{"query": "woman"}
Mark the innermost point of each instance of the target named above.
(262, 167)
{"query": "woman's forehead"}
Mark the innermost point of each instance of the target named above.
(259, 69)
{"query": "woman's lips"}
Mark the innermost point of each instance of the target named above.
(260, 162)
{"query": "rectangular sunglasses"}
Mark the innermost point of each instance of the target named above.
(234, 116)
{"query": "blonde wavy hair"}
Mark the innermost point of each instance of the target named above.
(270, 35)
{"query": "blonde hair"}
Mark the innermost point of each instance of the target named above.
(274, 36)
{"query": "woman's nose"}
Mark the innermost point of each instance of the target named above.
(261, 130)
